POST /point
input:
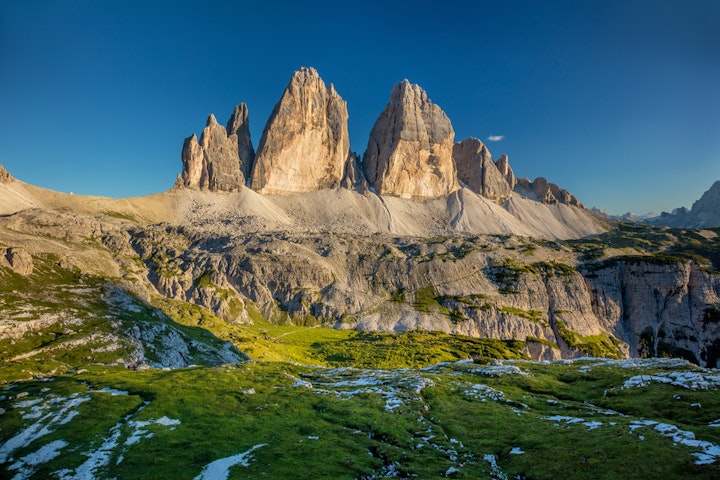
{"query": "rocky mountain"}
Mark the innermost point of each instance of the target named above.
(476, 169)
(409, 153)
(545, 192)
(222, 160)
(419, 234)
(305, 144)
(705, 212)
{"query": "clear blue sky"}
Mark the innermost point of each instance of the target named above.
(616, 101)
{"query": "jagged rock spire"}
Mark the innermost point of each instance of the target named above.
(409, 152)
(222, 158)
(478, 172)
(305, 144)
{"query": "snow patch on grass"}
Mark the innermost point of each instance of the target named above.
(26, 465)
(61, 411)
(709, 452)
(220, 469)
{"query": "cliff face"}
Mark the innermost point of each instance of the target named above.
(409, 153)
(221, 160)
(476, 286)
(545, 192)
(476, 169)
(305, 145)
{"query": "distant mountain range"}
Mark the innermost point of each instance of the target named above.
(705, 213)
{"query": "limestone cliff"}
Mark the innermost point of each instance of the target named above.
(503, 164)
(222, 159)
(476, 169)
(409, 153)
(5, 176)
(543, 191)
(486, 286)
(305, 144)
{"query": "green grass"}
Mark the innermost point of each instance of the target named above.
(360, 423)
(601, 345)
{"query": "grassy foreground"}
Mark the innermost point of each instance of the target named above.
(516, 419)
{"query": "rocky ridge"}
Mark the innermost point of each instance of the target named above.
(545, 192)
(563, 300)
(305, 147)
(705, 212)
(222, 159)
(477, 170)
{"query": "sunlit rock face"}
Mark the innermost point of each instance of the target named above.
(305, 145)
(409, 153)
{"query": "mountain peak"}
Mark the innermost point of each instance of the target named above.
(409, 152)
(305, 144)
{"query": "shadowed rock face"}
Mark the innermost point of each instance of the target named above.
(503, 164)
(476, 169)
(545, 192)
(409, 153)
(222, 159)
(305, 145)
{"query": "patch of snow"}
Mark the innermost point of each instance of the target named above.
(111, 391)
(220, 469)
(302, 383)
(97, 459)
(451, 471)
(495, 470)
(167, 422)
(26, 465)
(593, 425)
(709, 453)
(516, 451)
(61, 413)
(27, 403)
(562, 418)
(714, 423)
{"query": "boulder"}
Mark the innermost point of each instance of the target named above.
(18, 260)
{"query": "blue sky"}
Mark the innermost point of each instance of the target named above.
(616, 101)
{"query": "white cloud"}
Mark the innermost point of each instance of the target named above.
(495, 138)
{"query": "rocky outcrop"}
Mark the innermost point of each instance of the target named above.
(353, 178)
(17, 259)
(409, 153)
(543, 191)
(479, 287)
(5, 176)
(305, 144)
(503, 164)
(222, 159)
(476, 169)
